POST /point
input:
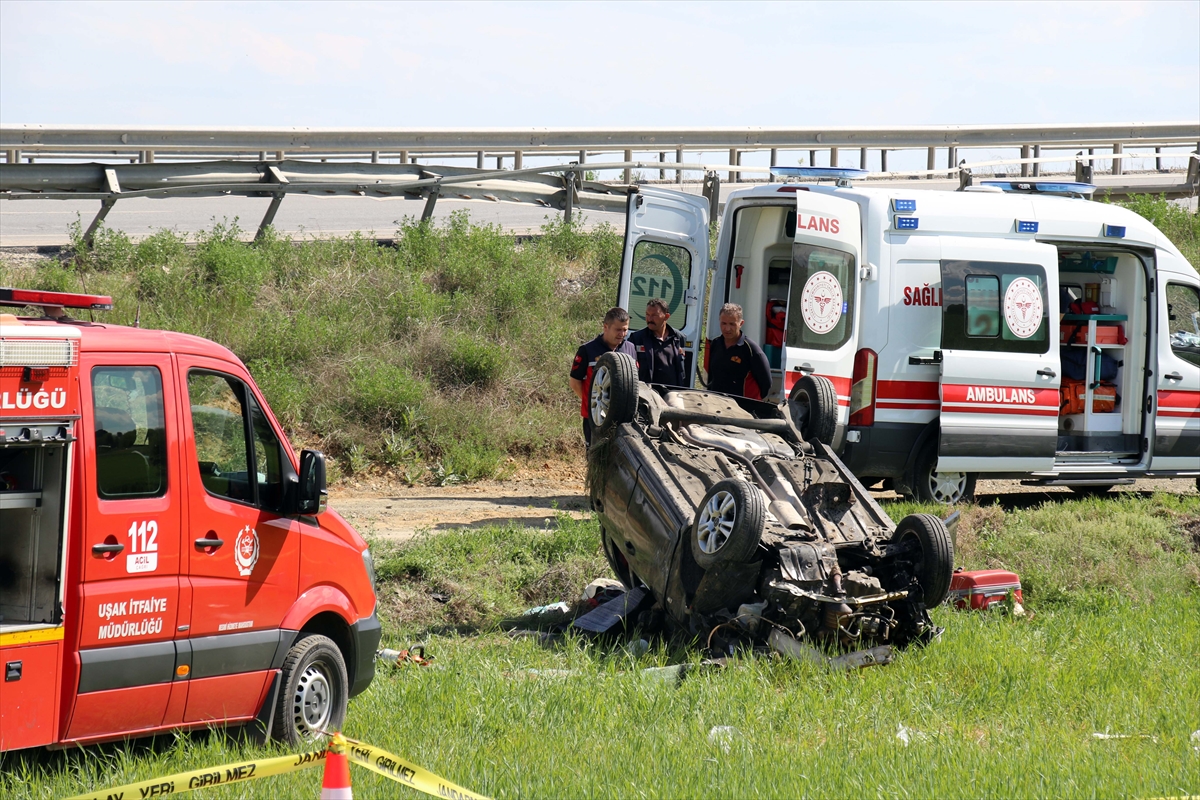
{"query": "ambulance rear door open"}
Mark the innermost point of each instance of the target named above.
(822, 295)
(999, 361)
(666, 256)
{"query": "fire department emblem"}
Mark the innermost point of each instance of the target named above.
(1023, 308)
(245, 550)
(821, 302)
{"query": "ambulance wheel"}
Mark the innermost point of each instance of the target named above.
(813, 406)
(314, 691)
(934, 566)
(944, 488)
(728, 524)
(613, 395)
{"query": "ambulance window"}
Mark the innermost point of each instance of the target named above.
(1183, 321)
(994, 306)
(131, 433)
(267, 460)
(821, 303)
(219, 426)
(664, 271)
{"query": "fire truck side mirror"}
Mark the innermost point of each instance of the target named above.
(311, 496)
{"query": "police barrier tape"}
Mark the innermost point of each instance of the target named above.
(212, 776)
(374, 759)
(398, 769)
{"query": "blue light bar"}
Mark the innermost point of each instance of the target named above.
(904, 206)
(834, 173)
(906, 223)
(1115, 231)
(1064, 188)
(1026, 226)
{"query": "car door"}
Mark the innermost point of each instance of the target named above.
(130, 596)
(243, 553)
(666, 256)
(822, 299)
(999, 360)
(1177, 410)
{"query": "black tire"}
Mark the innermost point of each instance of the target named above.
(314, 691)
(934, 565)
(613, 394)
(728, 524)
(945, 488)
(813, 406)
(1092, 491)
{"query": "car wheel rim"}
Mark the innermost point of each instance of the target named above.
(601, 395)
(947, 487)
(716, 522)
(313, 701)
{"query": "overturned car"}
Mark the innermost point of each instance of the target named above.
(728, 512)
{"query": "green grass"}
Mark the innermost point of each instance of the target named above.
(998, 707)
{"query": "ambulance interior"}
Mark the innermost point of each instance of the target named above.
(1102, 352)
(32, 491)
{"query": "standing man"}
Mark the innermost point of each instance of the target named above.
(736, 364)
(612, 338)
(659, 348)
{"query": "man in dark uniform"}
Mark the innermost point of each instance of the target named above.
(735, 364)
(659, 348)
(616, 327)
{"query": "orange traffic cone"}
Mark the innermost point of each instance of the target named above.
(336, 783)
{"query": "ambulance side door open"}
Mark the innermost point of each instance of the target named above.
(823, 294)
(1177, 406)
(666, 256)
(1000, 371)
(130, 598)
(242, 553)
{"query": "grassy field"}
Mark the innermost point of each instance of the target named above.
(999, 706)
(440, 359)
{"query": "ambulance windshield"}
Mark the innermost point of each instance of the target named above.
(821, 300)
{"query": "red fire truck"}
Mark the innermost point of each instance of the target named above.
(166, 559)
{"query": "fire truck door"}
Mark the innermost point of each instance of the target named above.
(129, 598)
(666, 256)
(243, 554)
(1000, 371)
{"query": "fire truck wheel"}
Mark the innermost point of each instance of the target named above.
(946, 488)
(813, 406)
(315, 691)
(614, 391)
(935, 567)
(728, 523)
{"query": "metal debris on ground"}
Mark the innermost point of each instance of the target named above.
(789, 647)
(413, 655)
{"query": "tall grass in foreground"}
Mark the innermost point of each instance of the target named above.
(438, 357)
(997, 707)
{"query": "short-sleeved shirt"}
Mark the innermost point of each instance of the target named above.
(585, 364)
(660, 360)
(742, 369)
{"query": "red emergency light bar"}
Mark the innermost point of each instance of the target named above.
(31, 297)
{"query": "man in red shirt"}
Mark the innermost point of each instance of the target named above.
(736, 364)
(616, 328)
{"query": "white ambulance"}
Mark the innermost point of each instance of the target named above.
(928, 336)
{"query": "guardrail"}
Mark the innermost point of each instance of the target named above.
(138, 144)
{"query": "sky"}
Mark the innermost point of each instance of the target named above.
(420, 65)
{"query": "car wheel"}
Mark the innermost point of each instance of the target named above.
(613, 395)
(1092, 491)
(935, 566)
(945, 488)
(314, 694)
(813, 406)
(728, 523)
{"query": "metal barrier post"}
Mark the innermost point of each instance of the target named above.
(733, 156)
(1037, 166)
(833, 157)
(628, 171)
(1024, 167)
(479, 156)
(662, 173)
(951, 159)
(931, 161)
(1158, 159)
(812, 158)
(883, 160)
(862, 158)
(679, 160)
(1118, 167)
(518, 159)
(712, 191)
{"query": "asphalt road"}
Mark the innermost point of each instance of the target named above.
(29, 223)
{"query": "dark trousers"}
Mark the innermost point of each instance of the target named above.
(587, 431)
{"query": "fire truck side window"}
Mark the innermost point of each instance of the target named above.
(219, 424)
(131, 434)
